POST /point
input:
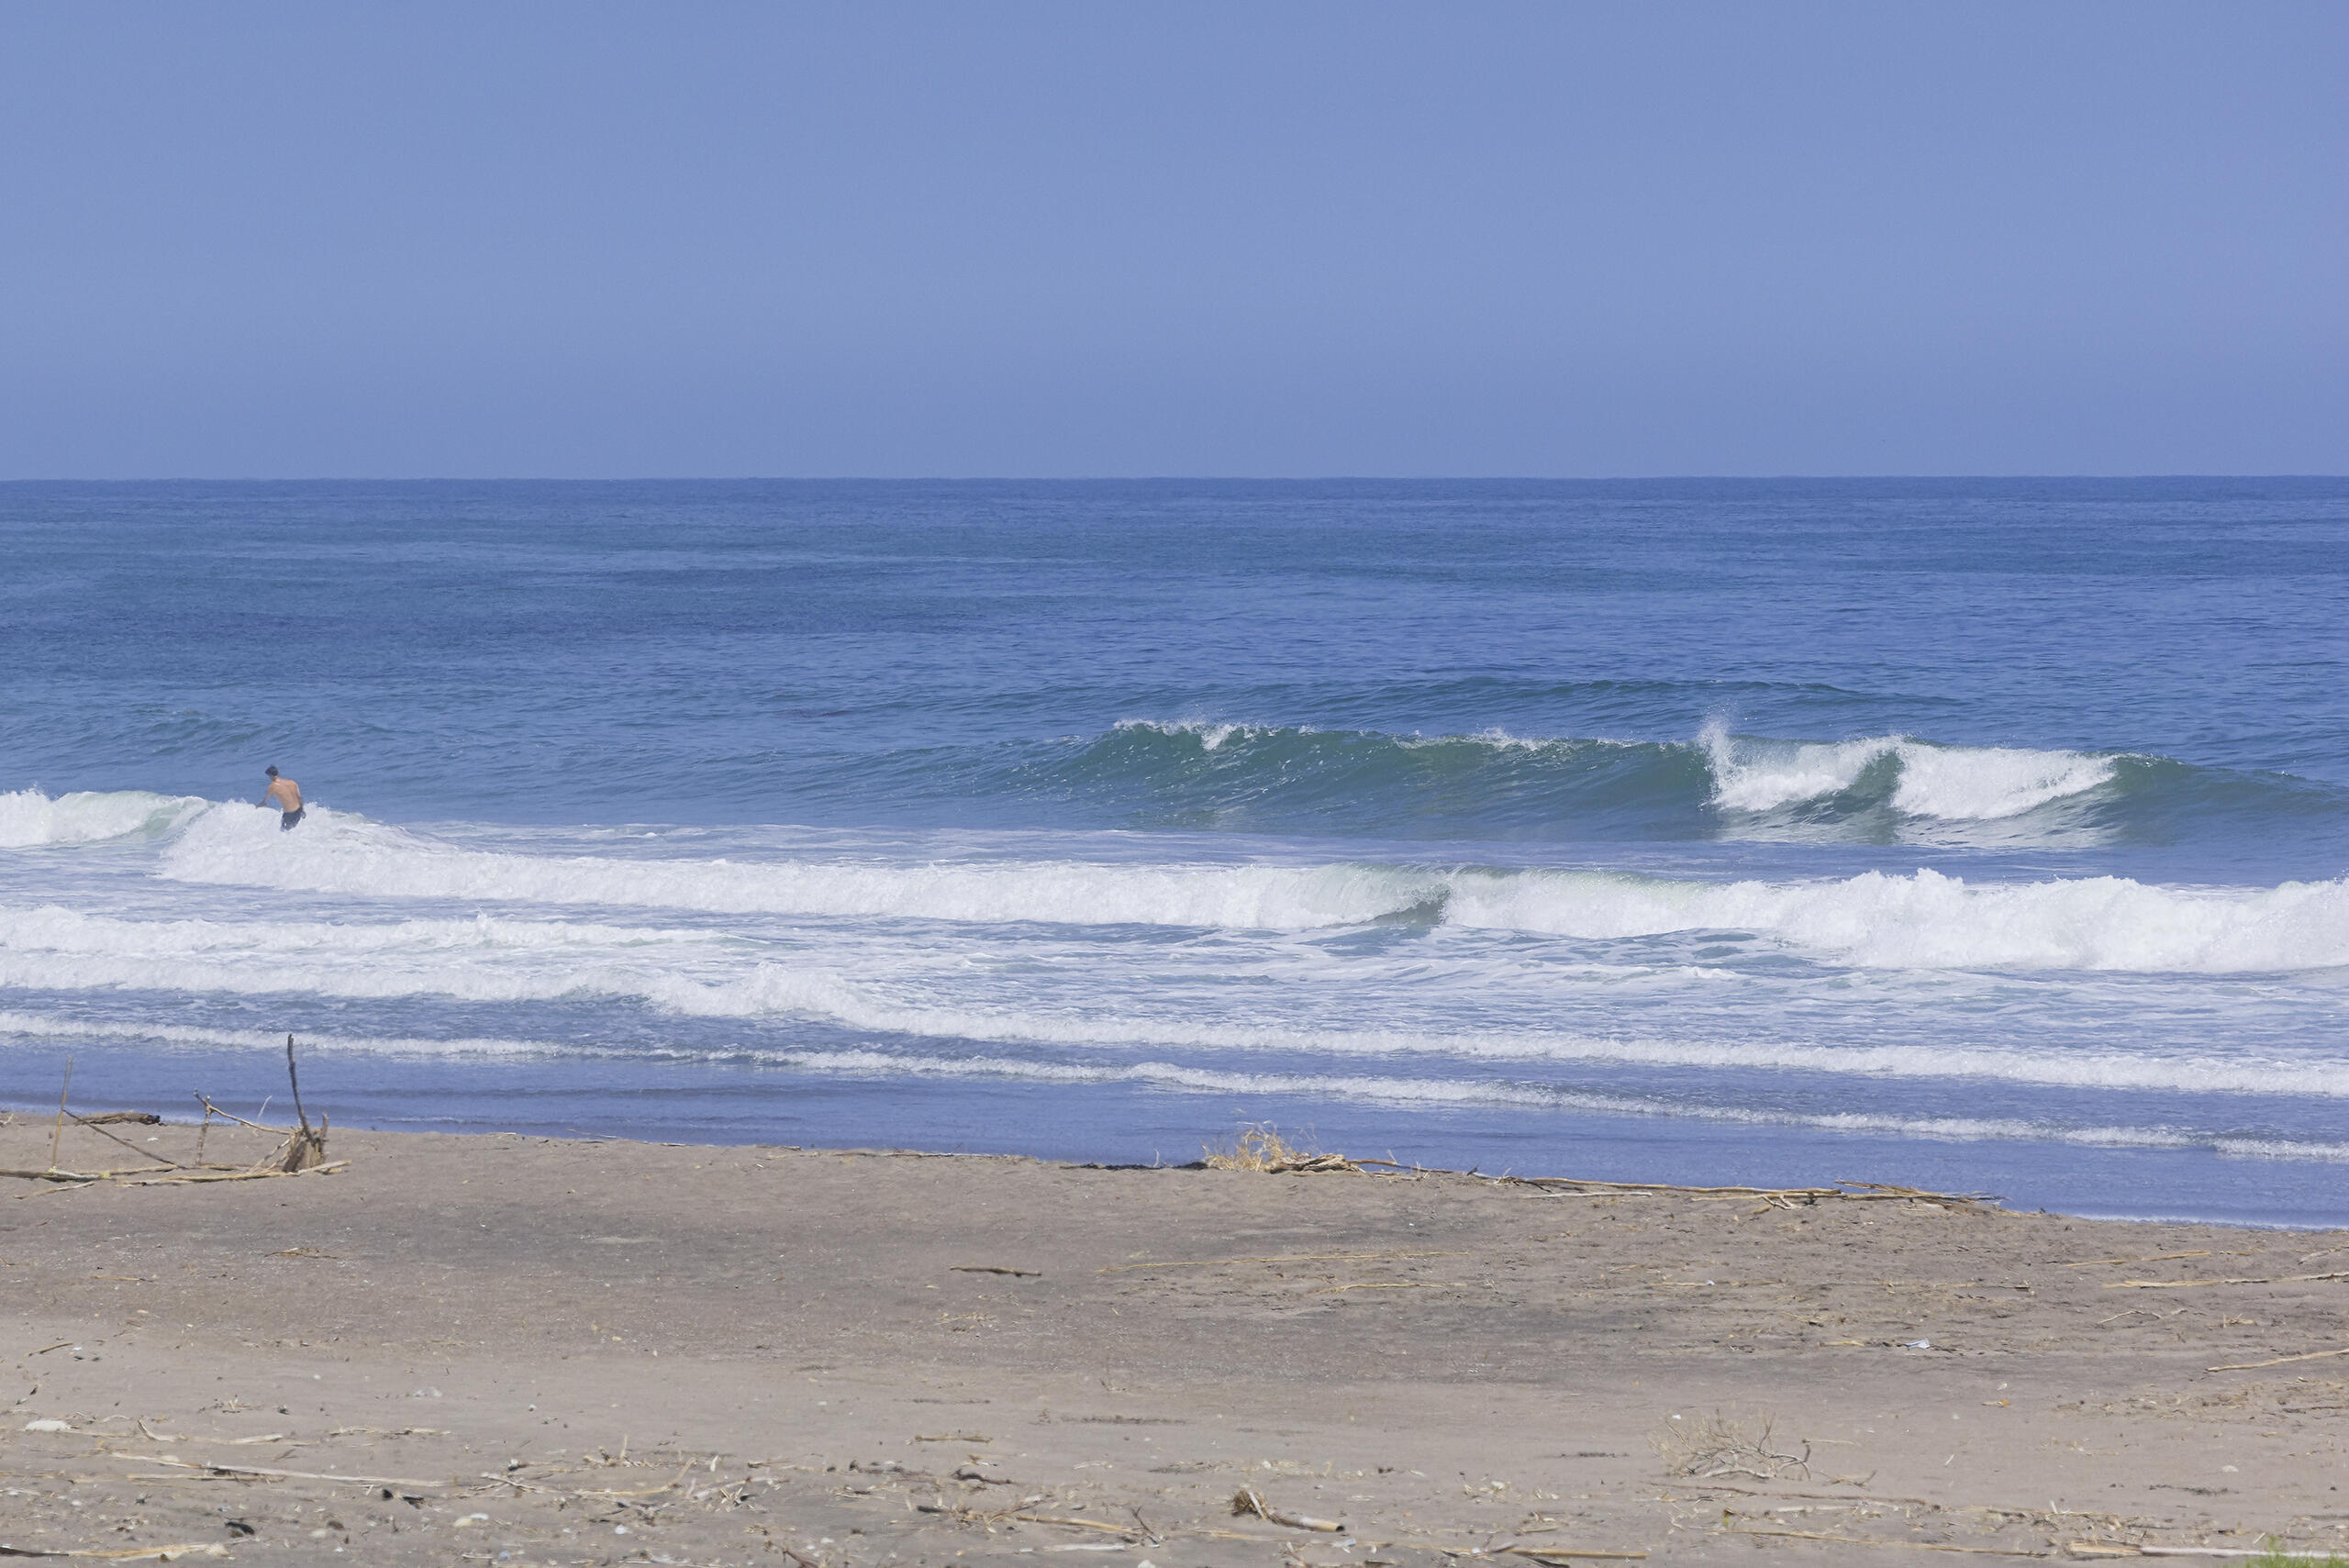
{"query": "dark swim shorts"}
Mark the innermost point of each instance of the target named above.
(286, 824)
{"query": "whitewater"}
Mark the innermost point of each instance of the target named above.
(1708, 833)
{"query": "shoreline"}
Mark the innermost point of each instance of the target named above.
(841, 1358)
(28, 1112)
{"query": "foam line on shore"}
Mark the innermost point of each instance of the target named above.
(1386, 1089)
(775, 991)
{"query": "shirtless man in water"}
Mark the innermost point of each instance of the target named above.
(287, 796)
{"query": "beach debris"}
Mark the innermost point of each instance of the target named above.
(1248, 1500)
(973, 1472)
(301, 1152)
(154, 1436)
(2280, 1361)
(2189, 1283)
(1913, 1545)
(1075, 1523)
(1279, 1258)
(2123, 1549)
(303, 1148)
(62, 1096)
(1259, 1147)
(1882, 1190)
(1720, 1444)
(47, 1425)
(994, 1269)
(125, 1554)
(1019, 1511)
(258, 1473)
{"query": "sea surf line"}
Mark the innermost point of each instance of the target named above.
(1991, 833)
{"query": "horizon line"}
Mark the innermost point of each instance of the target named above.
(1137, 478)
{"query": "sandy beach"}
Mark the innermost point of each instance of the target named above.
(500, 1349)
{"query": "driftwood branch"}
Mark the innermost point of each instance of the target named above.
(59, 1134)
(303, 1152)
(305, 1147)
(2189, 1283)
(126, 1554)
(1248, 1500)
(259, 1473)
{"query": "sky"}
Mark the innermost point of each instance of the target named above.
(582, 239)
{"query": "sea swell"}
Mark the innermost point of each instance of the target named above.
(1490, 786)
(1495, 784)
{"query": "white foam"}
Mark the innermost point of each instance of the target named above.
(475, 960)
(711, 974)
(1925, 921)
(40, 1026)
(333, 853)
(776, 989)
(1417, 1093)
(1976, 784)
(1387, 1089)
(1210, 734)
(1957, 784)
(29, 819)
(1929, 921)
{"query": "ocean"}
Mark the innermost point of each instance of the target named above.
(1977, 835)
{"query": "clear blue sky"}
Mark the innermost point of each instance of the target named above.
(576, 239)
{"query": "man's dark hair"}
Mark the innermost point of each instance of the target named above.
(270, 770)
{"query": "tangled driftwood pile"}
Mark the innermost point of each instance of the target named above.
(301, 1152)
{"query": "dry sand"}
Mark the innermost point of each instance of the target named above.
(570, 1351)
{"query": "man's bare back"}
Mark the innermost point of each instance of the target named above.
(287, 796)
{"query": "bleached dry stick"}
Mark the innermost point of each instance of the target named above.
(54, 1174)
(230, 1116)
(127, 1554)
(1913, 1545)
(2184, 1284)
(297, 1475)
(1080, 1524)
(1289, 1258)
(92, 1123)
(1399, 1284)
(2280, 1361)
(179, 1178)
(1248, 1500)
(58, 1136)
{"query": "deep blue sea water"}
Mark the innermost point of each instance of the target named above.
(1977, 834)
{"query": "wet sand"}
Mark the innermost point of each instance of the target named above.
(501, 1349)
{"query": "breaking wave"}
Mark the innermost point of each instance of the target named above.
(1888, 788)
(1922, 920)
(717, 975)
(29, 819)
(1957, 784)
